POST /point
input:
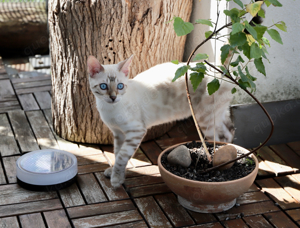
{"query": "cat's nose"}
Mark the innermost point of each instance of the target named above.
(113, 98)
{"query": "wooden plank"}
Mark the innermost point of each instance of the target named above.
(6, 90)
(264, 170)
(39, 78)
(107, 219)
(91, 168)
(295, 215)
(57, 218)
(10, 102)
(139, 159)
(2, 175)
(279, 219)
(291, 185)
(91, 159)
(90, 188)
(100, 208)
(13, 193)
(63, 144)
(296, 176)
(43, 99)
(277, 193)
(10, 168)
(71, 196)
(138, 224)
(28, 102)
(42, 131)
(209, 225)
(274, 161)
(252, 197)
(152, 212)
(141, 171)
(248, 210)
(202, 217)
(10, 108)
(235, 223)
(175, 212)
(112, 194)
(8, 144)
(33, 89)
(30, 207)
(257, 221)
(149, 190)
(152, 150)
(32, 84)
(165, 143)
(9, 222)
(288, 155)
(143, 180)
(295, 146)
(109, 154)
(34, 220)
(23, 131)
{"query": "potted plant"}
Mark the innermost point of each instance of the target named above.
(246, 43)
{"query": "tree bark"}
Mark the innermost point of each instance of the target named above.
(111, 30)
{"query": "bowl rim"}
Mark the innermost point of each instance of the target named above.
(254, 172)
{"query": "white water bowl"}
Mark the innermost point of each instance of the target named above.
(48, 169)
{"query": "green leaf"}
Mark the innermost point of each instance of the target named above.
(243, 85)
(282, 26)
(208, 33)
(204, 22)
(275, 3)
(237, 61)
(242, 75)
(200, 67)
(200, 57)
(255, 51)
(225, 51)
(175, 62)
(266, 41)
(260, 30)
(236, 28)
(196, 79)
(237, 39)
(233, 91)
(239, 3)
(267, 3)
(260, 66)
(233, 14)
(253, 8)
(179, 72)
(275, 35)
(251, 30)
(246, 50)
(261, 13)
(213, 86)
(182, 28)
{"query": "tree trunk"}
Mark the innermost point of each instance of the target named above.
(111, 30)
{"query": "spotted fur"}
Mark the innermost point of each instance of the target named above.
(150, 99)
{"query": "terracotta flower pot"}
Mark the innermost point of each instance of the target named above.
(207, 197)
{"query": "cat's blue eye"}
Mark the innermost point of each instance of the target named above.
(120, 86)
(103, 86)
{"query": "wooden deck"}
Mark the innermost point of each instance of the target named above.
(144, 200)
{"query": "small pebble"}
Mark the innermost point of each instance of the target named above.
(180, 156)
(224, 154)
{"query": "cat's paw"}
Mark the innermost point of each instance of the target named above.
(108, 172)
(117, 180)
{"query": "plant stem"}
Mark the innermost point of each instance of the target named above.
(188, 92)
(262, 107)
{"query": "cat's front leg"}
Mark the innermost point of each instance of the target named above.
(119, 139)
(133, 138)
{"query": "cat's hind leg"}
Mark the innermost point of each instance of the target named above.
(119, 139)
(133, 138)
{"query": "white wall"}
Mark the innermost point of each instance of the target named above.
(283, 71)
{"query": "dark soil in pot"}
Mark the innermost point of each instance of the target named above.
(241, 168)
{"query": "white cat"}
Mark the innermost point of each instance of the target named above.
(130, 106)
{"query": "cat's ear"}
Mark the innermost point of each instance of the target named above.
(94, 67)
(124, 65)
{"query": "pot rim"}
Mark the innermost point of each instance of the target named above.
(204, 182)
